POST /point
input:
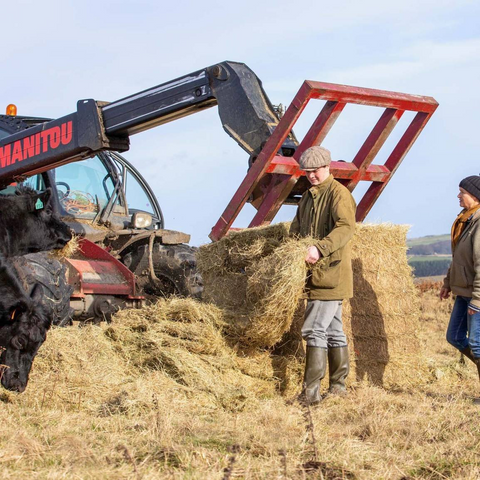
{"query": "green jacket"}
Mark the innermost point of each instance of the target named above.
(463, 277)
(327, 213)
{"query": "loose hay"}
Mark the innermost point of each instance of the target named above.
(256, 276)
(182, 338)
(69, 250)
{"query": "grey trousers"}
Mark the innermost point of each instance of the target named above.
(323, 324)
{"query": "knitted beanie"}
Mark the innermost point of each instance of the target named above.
(472, 185)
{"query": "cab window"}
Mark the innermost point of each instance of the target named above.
(84, 187)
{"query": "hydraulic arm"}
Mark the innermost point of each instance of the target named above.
(246, 113)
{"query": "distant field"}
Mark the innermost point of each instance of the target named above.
(427, 240)
(429, 258)
(429, 265)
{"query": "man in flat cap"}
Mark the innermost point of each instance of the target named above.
(326, 212)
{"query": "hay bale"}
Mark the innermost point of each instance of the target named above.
(259, 297)
(256, 276)
(381, 320)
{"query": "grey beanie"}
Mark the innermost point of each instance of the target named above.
(472, 185)
(314, 157)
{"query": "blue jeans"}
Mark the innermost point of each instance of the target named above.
(463, 329)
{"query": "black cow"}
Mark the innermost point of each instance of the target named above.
(28, 223)
(24, 322)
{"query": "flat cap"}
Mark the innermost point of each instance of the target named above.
(315, 157)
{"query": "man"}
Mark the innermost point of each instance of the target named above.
(326, 212)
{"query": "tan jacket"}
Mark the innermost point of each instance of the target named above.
(327, 213)
(463, 277)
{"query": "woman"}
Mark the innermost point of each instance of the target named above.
(463, 277)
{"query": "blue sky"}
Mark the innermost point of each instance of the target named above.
(57, 52)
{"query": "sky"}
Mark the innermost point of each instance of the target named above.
(58, 52)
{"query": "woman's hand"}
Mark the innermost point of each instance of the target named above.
(444, 293)
(313, 255)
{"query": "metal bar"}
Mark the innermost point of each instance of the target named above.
(392, 163)
(340, 170)
(274, 199)
(373, 143)
(320, 128)
(373, 97)
(259, 167)
(277, 193)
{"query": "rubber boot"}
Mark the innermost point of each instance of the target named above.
(338, 368)
(476, 401)
(468, 353)
(315, 368)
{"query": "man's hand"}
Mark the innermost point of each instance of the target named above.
(444, 293)
(313, 255)
(471, 311)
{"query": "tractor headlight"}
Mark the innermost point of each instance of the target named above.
(141, 220)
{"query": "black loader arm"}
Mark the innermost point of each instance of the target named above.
(246, 113)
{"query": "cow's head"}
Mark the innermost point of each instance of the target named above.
(30, 223)
(21, 335)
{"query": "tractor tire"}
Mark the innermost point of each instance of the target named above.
(41, 268)
(175, 267)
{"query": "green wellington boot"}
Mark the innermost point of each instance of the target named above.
(338, 368)
(315, 368)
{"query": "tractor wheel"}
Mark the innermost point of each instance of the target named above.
(174, 265)
(41, 268)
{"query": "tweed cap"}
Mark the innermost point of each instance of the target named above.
(472, 185)
(314, 157)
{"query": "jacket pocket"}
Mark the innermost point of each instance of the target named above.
(327, 273)
(458, 276)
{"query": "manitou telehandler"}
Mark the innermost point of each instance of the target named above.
(125, 253)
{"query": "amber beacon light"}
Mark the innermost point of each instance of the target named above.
(11, 109)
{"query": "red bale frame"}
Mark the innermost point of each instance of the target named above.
(285, 172)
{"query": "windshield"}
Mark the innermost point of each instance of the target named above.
(84, 187)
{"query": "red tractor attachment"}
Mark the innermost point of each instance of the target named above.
(274, 179)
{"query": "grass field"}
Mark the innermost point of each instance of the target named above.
(90, 413)
(411, 242)
(430, 258)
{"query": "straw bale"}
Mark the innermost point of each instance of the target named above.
(239, 250)
(259, 297)
(256, 276)
(381, 320)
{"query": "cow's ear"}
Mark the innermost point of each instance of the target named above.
(47, 195)
(41, 200)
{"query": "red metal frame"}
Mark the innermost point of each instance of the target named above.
(285, 170)
(94, 263)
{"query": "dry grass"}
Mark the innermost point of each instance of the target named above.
(161, 393)
(69, 250)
